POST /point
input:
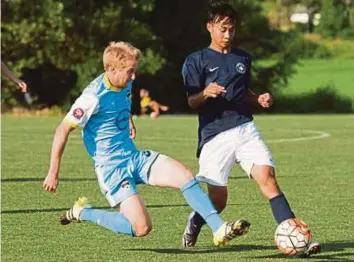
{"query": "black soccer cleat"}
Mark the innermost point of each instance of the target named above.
(314, 248)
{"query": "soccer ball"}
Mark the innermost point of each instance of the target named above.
(293, 237)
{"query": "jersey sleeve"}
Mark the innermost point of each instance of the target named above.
(192, 76)
(81, 111)
(249, 73)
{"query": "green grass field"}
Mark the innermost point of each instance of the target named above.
(315, 172)
(312, 74)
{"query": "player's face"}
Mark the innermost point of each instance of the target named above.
(121, 77)
(222, 32)
(144, 92)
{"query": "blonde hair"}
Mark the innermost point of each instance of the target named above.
(117, 53)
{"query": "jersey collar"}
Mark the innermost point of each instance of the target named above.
(109, 85)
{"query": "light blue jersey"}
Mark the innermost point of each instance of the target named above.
(106, 132)
(103, 112)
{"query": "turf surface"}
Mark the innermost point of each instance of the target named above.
(314, 171)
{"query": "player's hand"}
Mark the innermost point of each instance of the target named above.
(51, 183)
(213, 90)
(265, 100)
(22, 85)
(132, 129)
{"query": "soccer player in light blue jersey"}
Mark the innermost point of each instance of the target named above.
(103, 113)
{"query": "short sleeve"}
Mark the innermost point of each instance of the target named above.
(192, 77)
(81, 111)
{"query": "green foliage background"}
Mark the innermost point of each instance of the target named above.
(57, 46)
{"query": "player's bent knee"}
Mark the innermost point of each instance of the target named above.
(142, 230)
(188, 174)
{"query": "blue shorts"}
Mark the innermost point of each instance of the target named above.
(118, 183)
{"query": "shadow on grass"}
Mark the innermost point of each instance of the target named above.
(49, 210)
(334, 248)
(202, 250)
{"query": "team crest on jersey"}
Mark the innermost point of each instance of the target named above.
(78, 113)
(241, 68)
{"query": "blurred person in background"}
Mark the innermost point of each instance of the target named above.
(149, 106)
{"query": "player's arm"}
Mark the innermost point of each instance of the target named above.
(5, 70)
(132, 128)
(264, 100)
(59, 141)
(193, 77)
(78, 116)
(213, 90)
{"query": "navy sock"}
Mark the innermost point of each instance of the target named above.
(281, 208)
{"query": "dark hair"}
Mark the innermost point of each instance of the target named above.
(219, 9)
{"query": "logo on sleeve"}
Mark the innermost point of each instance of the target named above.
(129, 96)
(241, 68)
(78, 113)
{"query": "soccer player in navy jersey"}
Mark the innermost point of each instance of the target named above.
(103, 113)
(216, 80)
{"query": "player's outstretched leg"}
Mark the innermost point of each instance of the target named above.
(73, 214)
(170, 173)
(83, 211)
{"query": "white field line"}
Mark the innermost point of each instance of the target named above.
(76, 138)
(316, 135)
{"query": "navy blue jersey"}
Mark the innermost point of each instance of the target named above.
(232, 71)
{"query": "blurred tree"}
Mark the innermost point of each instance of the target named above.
(58, 45)
(51, 36)
(312, 7)
(181, 25)
(337, 18)
(32, 32)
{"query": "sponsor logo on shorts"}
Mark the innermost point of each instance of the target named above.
(125, 184)
(147, 153)
(78, 113)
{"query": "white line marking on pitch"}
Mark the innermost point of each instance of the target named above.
(316, 135)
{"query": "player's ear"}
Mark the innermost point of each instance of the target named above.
(209, 26)
(109, 68)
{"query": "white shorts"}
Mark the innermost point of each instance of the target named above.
(242, 144)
